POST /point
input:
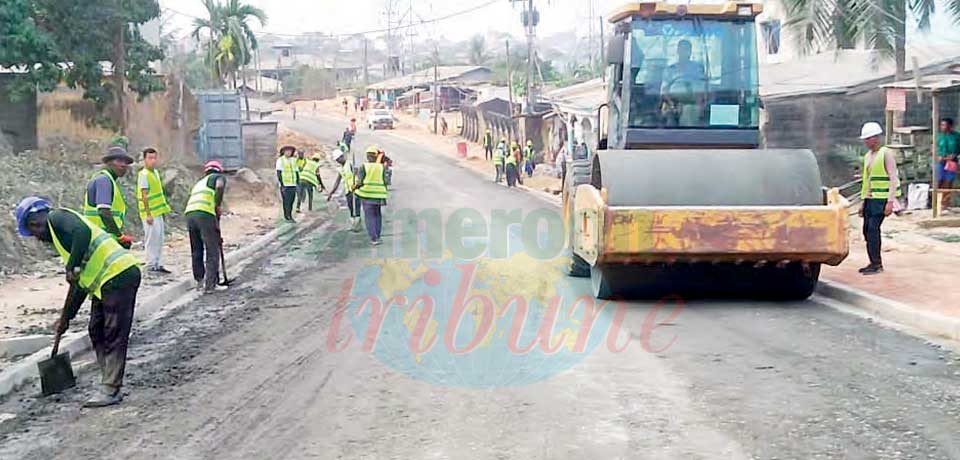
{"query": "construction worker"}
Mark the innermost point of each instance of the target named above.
(371, 188)
(487, 145)
(528, 158)
(346, 176)
(203, 212)
(153, 206)
(498, 157)
(309, 180)
(288, 178)
(96, 266)
(880, 189)
(347, 138)
(510, 165)
(103, 203)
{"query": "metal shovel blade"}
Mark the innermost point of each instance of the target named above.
(56, 374)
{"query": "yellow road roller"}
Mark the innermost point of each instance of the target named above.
(679, 198)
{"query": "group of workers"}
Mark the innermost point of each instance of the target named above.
(510, 163)
(94, 249)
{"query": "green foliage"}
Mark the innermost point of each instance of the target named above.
(230, 41)
(54, 41)
(120, 140)
(478, 50)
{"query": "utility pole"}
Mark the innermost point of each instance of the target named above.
(603, 54)
(436, 90)
(366, 69)
(510, 93)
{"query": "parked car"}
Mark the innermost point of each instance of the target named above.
(380, 119)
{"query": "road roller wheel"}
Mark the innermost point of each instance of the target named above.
(601, 284)
(579, 173)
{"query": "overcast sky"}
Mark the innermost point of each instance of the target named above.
(348, 16)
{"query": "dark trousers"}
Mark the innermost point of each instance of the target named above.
(512, 175)
(111, 318)
(305, 191)
(288, 195)
(488, 152)
(372, 218)
(353, 203)
(204, 247)
(499, 174)
(872, 220)
(563, 175)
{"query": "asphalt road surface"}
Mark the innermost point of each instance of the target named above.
(269, 369)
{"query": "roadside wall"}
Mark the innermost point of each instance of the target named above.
(18, 119)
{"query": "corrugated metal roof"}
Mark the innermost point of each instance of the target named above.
(426, 76)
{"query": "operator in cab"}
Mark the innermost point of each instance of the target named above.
(684, 86)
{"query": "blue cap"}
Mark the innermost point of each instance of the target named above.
(27, 206)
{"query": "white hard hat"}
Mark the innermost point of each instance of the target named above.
(870, 129)
(338, 154)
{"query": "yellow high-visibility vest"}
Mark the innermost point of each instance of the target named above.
(309, 173)
(117, 206)
(105, 257)
(373, 186)
(202, 198)
(876, 182)
(156, 199)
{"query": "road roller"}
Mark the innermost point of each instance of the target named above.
(678, 195)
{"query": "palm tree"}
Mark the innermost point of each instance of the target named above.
(228, 20)
(880, 24)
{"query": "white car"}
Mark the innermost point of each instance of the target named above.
(380, 119)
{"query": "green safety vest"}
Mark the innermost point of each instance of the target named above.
(511, 160)
(487, 140)
(156, 199)
(301, 162)
(202, 198)
(528, 153)
(498, 156)
(105, 258)
(373, 186)
(876, 182)
(288, 173)
(117, 206)
(346, 175)
(309, 173)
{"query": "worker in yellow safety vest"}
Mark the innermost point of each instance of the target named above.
(203, 224)
(511, 163)
(488, 145)
(288, 177)
(309, 180)
(103, 203)
(528, 159)
(498, 158)
(96, 266)
(346, 176)
(153, 206)
(370, 186)
(880, 190)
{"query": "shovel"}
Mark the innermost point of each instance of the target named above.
(56, 373)
(223, 262)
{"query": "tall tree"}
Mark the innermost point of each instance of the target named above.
(227, 25)
(881, 25)
(57, 41)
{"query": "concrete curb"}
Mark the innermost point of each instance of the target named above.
(891, 310)
(20, 373)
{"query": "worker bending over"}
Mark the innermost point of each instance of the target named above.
(95, 265)
(203, 212)
(371, 188)
(103, 201)
(346, 176)
(309, 180)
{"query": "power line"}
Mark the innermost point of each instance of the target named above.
(372, 31)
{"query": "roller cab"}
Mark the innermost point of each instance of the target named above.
(679, 198)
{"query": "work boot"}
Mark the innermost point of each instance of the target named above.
(105, 396)
(872, 270)
(356, 225)
(160, 270)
